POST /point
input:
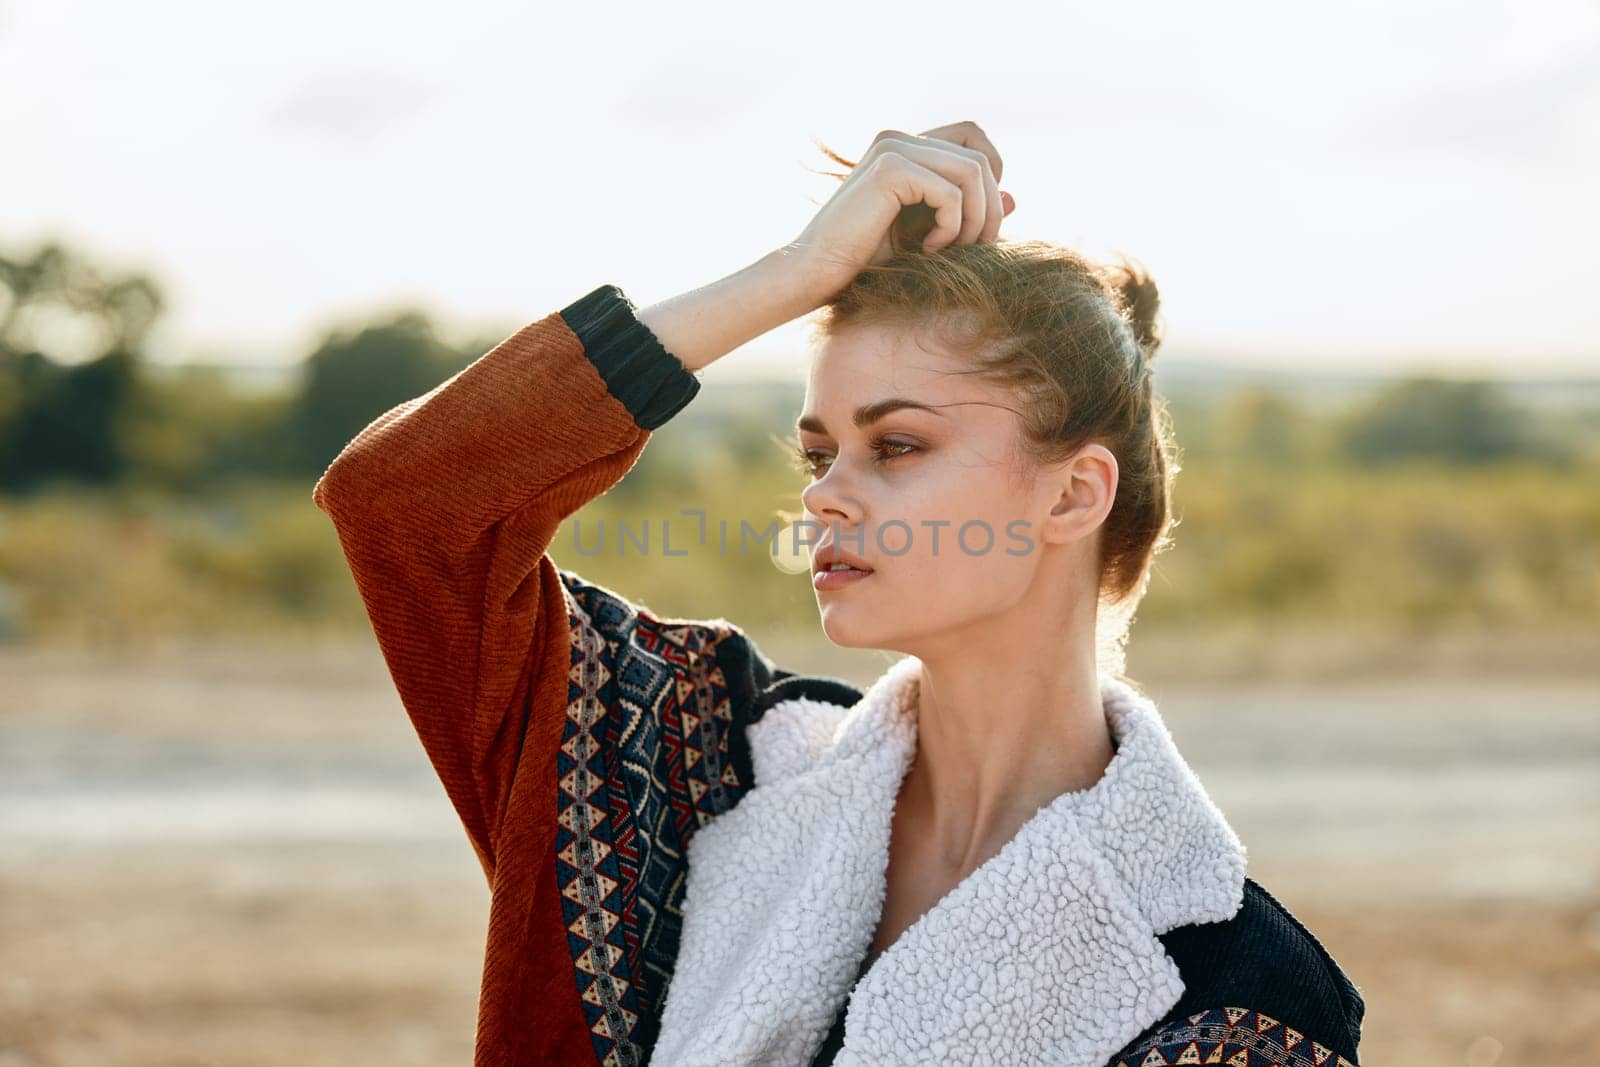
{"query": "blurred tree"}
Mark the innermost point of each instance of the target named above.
(70, 346)
(352, 378)
(1458, 422)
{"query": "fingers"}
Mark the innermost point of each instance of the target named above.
(970, 136)
(971, 165)
(909, 182)
(959, 167)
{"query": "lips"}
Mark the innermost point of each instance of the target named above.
(829, 554)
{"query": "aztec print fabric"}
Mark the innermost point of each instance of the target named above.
(645, 761)
(1234, 1037)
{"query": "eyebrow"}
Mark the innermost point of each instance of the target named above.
(867, 414)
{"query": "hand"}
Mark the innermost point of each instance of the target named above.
(939, 189)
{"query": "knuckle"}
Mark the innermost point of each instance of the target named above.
(986, 166)
(975, 160)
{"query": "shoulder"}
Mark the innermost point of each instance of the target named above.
(1260, 978)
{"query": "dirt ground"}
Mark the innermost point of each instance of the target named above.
(225, 855)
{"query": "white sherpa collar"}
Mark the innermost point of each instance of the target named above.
(1046, 954)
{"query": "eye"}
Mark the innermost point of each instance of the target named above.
(810, 461)
(884, 450)
(802, 458)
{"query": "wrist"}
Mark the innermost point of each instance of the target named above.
(793, 279)
(701, 326)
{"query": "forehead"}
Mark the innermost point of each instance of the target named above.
(867, 363)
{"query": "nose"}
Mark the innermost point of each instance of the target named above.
(828, 500)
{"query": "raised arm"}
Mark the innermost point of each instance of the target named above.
(446, 504)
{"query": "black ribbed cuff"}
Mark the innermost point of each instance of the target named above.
(651, 382)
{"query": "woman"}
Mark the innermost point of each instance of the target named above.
(993, 855)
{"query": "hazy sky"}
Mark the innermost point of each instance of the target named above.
(1395, 184)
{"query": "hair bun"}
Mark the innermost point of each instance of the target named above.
(1140, 300)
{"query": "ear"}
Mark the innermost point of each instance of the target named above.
(1088, 488)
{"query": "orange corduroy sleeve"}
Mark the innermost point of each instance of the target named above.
(444, 507)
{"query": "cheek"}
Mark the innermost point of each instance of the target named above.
(952, 541)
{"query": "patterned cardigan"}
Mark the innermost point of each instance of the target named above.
(584, 740)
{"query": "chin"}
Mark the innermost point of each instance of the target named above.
(848, 629)
(861, 626)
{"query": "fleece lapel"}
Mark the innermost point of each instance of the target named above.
(1047, 953)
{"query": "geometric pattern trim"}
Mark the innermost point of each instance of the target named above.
(1237, 1037)
(643, 764)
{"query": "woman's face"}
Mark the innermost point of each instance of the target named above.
(931, 490)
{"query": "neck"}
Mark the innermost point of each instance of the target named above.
(1009, 717)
